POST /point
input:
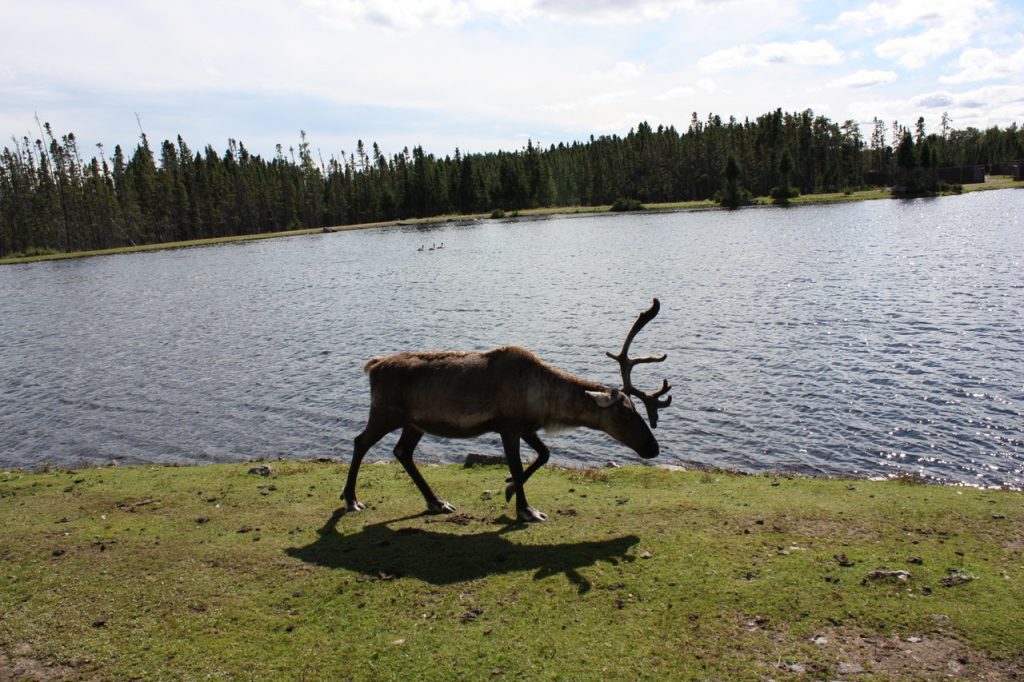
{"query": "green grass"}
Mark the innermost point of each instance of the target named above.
(63, 255)
(995, 182)
(640, 573)
(872, 194)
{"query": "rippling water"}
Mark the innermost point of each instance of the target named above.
(871, 338)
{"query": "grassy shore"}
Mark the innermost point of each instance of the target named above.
(995, 182)
(641, 573)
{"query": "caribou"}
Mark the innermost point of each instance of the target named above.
(508, 391)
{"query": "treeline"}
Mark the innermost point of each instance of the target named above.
(52, 199)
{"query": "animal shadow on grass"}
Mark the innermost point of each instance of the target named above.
(443, 558)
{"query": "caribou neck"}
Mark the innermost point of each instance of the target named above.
(572, 407)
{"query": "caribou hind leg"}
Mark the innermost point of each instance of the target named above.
(543, 453)
(524, 512)
(408, 441)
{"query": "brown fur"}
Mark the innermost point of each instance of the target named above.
(507, 390)
(452, 393)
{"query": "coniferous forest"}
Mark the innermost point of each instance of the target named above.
(53, 199)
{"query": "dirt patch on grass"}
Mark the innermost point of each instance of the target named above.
(930, 656)
(834, 530)
(1015, 545)
(18, 665)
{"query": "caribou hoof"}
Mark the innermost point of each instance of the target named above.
(440, 507)
(352, 504)
(510, 490)
(531, 515)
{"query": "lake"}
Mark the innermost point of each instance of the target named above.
(871, 339)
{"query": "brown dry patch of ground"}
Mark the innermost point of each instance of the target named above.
(847, 654)
(18, 665)
(810, 528)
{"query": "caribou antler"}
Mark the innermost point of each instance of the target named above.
(653, 401)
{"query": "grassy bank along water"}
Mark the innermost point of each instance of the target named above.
(994, 182)
(213, 572)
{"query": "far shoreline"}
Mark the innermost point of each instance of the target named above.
(991, 183)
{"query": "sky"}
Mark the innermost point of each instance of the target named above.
(483, 75)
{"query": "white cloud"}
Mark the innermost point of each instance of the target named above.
(681, 92)
(470, 73)
(607, 11)
(904, 14)
(916, 51)
(704, 85)
(801, 53)
(981, 108)
(405, 15)
(393, 14)
(878, 16)
(936, 27)
(981, 63)
(625, 71)
(864, 79)
(934, 100)
(588, 102)
(991, 96)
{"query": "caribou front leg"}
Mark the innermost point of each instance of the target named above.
(543, 454)
(376, 429)
(524, 512)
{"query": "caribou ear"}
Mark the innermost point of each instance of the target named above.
(604, 398)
